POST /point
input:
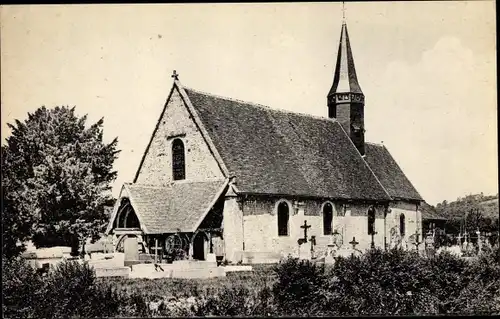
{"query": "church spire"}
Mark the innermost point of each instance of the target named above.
(345, 99)
(345, 79)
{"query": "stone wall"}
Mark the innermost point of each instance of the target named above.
(413, 220)
(260, 225)
(176, 122)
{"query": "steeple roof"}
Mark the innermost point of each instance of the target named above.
(345, 79)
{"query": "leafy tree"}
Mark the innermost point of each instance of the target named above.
(57, 175)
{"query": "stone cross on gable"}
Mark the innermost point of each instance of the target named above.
(175, 75)
(305, 227)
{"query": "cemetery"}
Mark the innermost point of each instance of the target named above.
(128, 260)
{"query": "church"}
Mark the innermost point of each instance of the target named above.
(244, 181)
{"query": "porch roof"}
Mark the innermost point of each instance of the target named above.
(181, 206)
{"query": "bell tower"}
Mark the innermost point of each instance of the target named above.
(345, 100)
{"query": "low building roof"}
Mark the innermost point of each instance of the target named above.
(180, 206)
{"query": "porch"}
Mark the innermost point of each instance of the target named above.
(164, 224)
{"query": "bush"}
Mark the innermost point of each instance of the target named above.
(298, 286)
(72, 283)
(481, 291)
(395, 282)
(445, 278)
(378, 283)
(69, 290)
(22, 289)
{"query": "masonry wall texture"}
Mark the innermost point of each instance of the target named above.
(176, 122)
(260, 224)
(232, 223)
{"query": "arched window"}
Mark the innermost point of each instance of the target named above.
(178, 161)
(126, 217)
(327, 219)
(402, 224)
(283, 217)
(371, 221)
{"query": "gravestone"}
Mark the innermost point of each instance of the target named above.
(304, 252)
(429, 246)
(131, 248)
(479, 241)
(329, 259)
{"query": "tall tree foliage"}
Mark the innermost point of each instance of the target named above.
(56, 179)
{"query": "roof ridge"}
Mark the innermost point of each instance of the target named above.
(261, 105)
(169, 185)
(373, 143)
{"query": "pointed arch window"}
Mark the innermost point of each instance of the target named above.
(283, 219)
(402, 225)
(371, 221)
(178, 160)
(327, 219)
(126, 217)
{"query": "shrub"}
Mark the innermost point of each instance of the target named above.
(378, 283)
(68, 290)
(444, 276)
(298, 286)
(481, 292)
(22, 289)
(71, 283)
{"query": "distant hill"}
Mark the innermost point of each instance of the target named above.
(487, 205)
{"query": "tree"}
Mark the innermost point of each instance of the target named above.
(57, 175)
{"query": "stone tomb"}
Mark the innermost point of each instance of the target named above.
(112, 272)
(47, 257)
(109, 265)
(190, 269)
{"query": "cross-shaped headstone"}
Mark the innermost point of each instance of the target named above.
(353, 242)
(175, 75)
(305, 227)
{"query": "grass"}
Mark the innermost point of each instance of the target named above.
(261, 276)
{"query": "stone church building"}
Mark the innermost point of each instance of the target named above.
(241, 180)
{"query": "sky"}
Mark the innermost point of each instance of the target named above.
(427, 69)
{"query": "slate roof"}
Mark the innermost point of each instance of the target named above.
(389, 173)
(180, 206)
(277, 152)
(429, 212)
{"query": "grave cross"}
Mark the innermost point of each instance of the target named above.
(305, 227)
(353, 242)
(175, 75)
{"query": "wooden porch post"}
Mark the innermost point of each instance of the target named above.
(191, 251)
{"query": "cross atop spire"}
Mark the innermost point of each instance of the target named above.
(343, 12)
